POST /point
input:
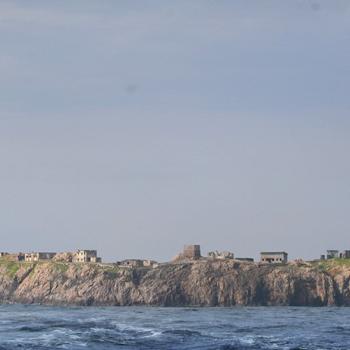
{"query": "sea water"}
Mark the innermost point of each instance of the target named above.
(42, 327)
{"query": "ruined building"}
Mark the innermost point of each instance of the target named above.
(149, 263)
(274, 257)
(345, 254)
(335, 254)
(17, 257)
(86, 256)
(220, 255)
(332, 254)
(136, 263)
(130, 263)
(37, 256)
(192, 251)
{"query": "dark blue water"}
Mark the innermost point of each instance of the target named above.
(39, 327)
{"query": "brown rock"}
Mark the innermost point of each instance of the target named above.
(203, 283)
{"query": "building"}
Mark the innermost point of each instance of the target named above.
(332, 254)
(96, 259)
(345, 254)
(274, 257)
(17, 257)
(335, 254)
(131, 263)
(192, 251)
(3, 254)
(149, 263)
(32, 257)
(220, 255)
(82, 256)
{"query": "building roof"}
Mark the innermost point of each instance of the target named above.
(273, 253)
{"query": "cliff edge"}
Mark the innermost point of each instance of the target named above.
(197, 283)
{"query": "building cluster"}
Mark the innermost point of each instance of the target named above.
(193, 252)
(336, 254)
(190, 252)
(80, 255)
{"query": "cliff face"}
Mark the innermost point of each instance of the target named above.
(204, 283)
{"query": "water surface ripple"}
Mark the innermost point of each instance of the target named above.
(41, 327)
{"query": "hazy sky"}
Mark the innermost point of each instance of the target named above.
(135, 127)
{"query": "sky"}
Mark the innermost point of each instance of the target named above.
(135, 127)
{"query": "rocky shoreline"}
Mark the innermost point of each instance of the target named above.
(192, 283)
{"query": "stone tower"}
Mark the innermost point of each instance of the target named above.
(192, 251)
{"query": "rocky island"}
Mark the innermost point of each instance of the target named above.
(202, 282)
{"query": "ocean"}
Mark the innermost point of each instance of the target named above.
(43, 327)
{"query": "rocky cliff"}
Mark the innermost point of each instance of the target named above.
(202, 283)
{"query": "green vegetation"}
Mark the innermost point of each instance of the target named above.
(60, 266)
(325, 265)
(111, 271)
(10, 267)
(78, 266)
(321, 266)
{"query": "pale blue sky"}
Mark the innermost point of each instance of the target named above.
(135, 127)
